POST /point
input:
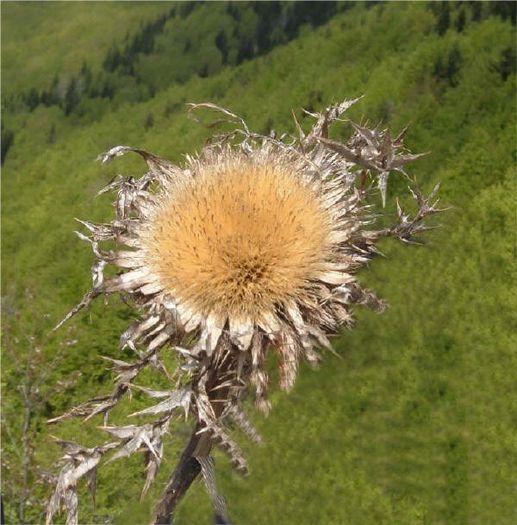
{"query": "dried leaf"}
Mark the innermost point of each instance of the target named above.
(79, 462)
(177, 399)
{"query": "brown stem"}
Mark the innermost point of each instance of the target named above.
(200, 443)
(185, 473)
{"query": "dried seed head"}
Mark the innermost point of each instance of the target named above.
(251, 247)
(239, 237)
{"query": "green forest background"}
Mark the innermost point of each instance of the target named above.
(416, 421)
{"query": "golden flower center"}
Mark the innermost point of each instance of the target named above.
(239, 239)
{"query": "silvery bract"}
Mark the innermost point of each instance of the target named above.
(251, 247)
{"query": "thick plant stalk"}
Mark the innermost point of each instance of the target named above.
(200, 443)
(183, 476)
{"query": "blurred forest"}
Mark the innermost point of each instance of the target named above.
(416, 421)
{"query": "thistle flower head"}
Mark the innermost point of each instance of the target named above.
(252, 246)
(240, 237)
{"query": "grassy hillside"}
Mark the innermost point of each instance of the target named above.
(42, 39)
(416, 422)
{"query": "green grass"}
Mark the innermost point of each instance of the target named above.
(416, 423)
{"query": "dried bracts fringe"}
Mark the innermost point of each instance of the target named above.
(250, 247)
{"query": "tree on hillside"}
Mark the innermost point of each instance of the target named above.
(222, 44)
(508, 63)
(32, 99)
(72, 97)
(447, 68)
(7, 141)
(444, 18)
(52, 134)
(149, 121)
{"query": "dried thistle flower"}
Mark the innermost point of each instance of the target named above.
(253, 246)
